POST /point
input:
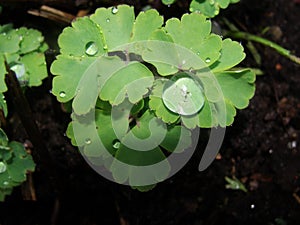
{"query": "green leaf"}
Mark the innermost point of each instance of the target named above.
(235, 184)
(3, 139)
(21, 163)
(228, 59)
(30, 39)
(210, 8)
(113, 24)
(177, 139)
(194, 33)
(168, 2)
(134, 86)
(80, 38)
(150, 20)
(3, 87)
(9, 42)
(3, 105)
(36, 71)
(237, 86)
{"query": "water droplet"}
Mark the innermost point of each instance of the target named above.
(5, 183)
(88, 141)
(19, 70)
(169, 6)
(183, 62)
(40, 39)
(114, 10)
(211, 2)
(116, 144)
(2, 167)
(252, 206)
(105, 47)
(107, 20)
(198, 53)
(62, 94)
(91, 48)
(4, 34)
(207, 60)
(20, 37)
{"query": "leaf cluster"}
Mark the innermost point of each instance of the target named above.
(15, 162)
(124, 70)
(209, 8)
(23, 50)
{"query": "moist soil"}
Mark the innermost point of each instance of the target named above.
(261, 148)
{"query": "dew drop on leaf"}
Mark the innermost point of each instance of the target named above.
(114, 10)
(105, 47)
(116, 144)
(91, 48)
(5, 183)
(207, 60)
(62, 94)
(88, 141)
(19, 70)
(107, 20)
(2, 167)
(20, 37)
(184, 96)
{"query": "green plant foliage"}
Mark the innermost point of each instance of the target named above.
(210, 8)
(15, 162)
(235, 184)
(3, 105)
(22, 49)
(146, 83)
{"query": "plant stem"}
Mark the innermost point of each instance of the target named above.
(40, 153)
(251, 37)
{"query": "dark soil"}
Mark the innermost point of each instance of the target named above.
(261, 148)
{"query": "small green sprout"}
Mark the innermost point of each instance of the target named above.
(235, 184)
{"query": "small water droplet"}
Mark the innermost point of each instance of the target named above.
(114, 10)
(5, 183)
(211, 2)
(105, 47)
(20, 37)
(198, 53)
(4, 34)
(62, 94)
(207, 60)
(19, 70)
(88, 141)
(116, 144)
(183, 62)
(107, 20)
(169, 5)
(2, 167)
(91, 48)
(252, 206)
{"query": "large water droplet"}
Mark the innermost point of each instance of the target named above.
(19, 70)
(114, 10)
(207, 60)
(2, 167)
(88, 141)
(91, 48)
(62, 94)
